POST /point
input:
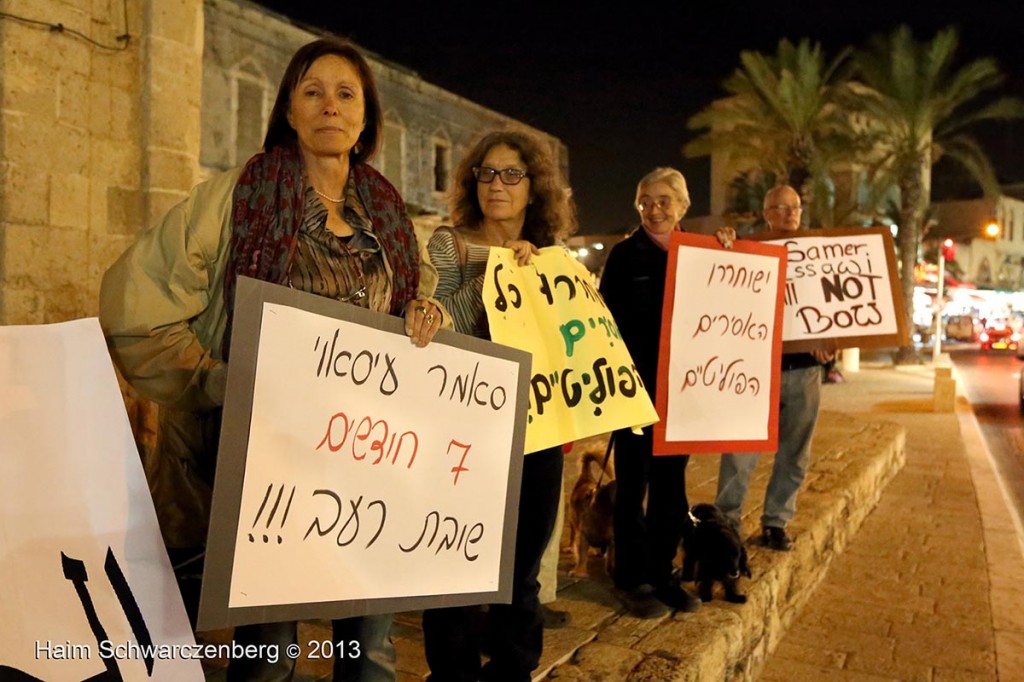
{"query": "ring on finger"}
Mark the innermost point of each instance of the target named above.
(420, 309)
(430, 318)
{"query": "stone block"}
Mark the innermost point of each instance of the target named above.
(25, 195)
(116, 163)
(21, 305)
(73, 99)
(99, 121)
(30, 90)
(69, 200)
(944, 394)
(172, 170)
(180, 21)
(44, 257)
(172, 125)
(125, 211)
(44, 146)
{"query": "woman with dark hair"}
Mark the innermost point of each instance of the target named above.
(309, 213)
(507, 192)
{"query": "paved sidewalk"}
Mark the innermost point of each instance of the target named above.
(932, 587)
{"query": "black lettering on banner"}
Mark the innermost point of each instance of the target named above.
(460, 537)
(273, 512)
(354, 506)
(859, 315)
(467, 389)
(569, 390)
(359, 367)
(501, 302)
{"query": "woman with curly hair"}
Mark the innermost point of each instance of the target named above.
(507, 192)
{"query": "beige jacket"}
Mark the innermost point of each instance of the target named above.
(162, 310)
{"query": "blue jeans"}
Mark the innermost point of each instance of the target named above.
(799, 397)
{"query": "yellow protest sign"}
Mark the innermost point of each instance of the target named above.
(583, 381)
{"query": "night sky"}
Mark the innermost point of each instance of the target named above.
(618, 86)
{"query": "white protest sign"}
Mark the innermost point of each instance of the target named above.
(721, 345)
(841, 290)
(87, 587)
(375, 476)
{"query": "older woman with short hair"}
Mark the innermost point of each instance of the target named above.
(507, 192)
(308, 212)
(633, 286)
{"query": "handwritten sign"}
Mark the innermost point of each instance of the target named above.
(87, 588)
(719, 360)
(584, 381)
(357, 473)
(842, 290)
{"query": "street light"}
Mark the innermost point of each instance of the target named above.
(992, 230)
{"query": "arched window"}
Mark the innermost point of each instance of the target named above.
(391, 160)
(441, 156)
(250, 108)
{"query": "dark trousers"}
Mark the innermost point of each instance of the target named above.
(646, 543)
(515, 632)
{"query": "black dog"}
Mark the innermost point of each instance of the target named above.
(714, 552)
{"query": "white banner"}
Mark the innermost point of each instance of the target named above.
(841, 285)
(87, 586)
(372, 469)
(720, 347)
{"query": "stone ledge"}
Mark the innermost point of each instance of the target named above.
(854, 460)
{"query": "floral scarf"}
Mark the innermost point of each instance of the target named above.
(266, 214)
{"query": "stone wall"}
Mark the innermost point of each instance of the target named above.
(94, 143)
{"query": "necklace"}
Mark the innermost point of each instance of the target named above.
(339, 200)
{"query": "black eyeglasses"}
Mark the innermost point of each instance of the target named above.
(509, 176)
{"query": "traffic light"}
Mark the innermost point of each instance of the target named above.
(948, 249)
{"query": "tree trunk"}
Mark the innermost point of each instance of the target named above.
(912, 196)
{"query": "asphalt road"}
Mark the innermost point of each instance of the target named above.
(990, 382)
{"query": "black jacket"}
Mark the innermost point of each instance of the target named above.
(633, 286)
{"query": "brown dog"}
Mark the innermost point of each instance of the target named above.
(590, 516)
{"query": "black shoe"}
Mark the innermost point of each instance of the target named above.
(553, 619)
(776, 538)
(677, 597)
(642, 603)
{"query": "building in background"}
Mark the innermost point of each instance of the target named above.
(111, 111)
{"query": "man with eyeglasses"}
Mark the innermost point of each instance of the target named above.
(799, 397)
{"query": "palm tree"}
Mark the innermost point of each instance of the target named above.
(781, 116)
(919, 103)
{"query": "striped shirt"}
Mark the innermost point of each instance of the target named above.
(460, 285)
(351, 269)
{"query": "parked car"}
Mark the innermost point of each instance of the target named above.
(999, 335)
(963, 328)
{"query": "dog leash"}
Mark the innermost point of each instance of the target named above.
(607, 456)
